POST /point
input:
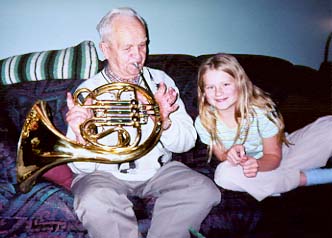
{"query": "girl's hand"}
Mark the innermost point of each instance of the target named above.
(250, 166)
(236, 154)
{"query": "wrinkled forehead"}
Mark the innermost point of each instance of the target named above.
(127, 27)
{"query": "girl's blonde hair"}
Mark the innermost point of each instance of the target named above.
(249, 96)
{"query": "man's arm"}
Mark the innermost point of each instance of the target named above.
(179, 134)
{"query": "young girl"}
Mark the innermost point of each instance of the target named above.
(243, 129)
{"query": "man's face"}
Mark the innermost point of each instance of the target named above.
(127, 47)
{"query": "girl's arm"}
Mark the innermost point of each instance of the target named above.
(234, 155)
(220, 154)
(269, 161)
(271, 154)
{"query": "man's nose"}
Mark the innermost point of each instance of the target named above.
(136, 54)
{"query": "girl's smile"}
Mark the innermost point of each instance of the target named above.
(220, 90)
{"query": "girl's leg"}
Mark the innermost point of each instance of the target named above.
(263, 185)
(312, 147)
(316, 176)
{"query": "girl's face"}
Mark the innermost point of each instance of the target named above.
(220, 90)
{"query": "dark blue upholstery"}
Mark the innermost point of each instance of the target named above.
(47, 210)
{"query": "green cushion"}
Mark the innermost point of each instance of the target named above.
(80, 61)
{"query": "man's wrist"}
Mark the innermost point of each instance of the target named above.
(166, 124)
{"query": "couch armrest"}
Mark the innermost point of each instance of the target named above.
(8, 141)
(7, 191)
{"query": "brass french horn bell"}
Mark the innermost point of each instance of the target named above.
(118, 114)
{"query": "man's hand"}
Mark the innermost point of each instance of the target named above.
(76, 115)
(166, 98)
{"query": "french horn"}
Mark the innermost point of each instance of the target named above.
(41, 146)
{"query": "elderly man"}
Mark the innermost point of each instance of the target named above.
(183, 196)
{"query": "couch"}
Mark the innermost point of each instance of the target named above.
(302, 94)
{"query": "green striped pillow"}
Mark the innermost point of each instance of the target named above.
(78, 62)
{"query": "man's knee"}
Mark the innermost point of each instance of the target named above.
(208, 192)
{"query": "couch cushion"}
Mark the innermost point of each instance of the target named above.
(236, 215)
(183, 70)
(19, 98)
(8, 141)
(45, 211)
(80, 61)
(310, 98)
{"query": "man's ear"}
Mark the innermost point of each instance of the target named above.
(105, 48)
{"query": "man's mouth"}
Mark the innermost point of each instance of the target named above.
(137, 65)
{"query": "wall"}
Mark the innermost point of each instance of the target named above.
(292, 29)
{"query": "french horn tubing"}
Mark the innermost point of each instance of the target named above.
(117, 113)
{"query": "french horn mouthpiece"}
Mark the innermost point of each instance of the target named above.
(136, 65)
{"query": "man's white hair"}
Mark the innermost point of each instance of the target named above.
(104, 26)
